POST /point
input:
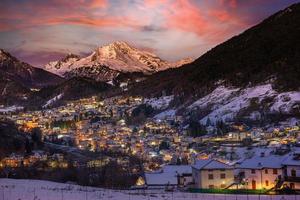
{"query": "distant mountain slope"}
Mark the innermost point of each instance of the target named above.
(72, 89)
(108, 61)
(23, 84)
(63, 65)
(11, 91)
(24, 73)
(268, 50)
(17, 78)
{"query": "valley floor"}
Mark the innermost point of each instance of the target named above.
(11, 189)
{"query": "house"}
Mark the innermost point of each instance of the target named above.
(261, 172)
(13, 160)
(169, 175)
(212, 174)
(239, 136)
(292, 171)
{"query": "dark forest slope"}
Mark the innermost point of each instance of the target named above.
(269, 49)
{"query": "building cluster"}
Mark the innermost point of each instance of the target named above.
(263, 172)
(36, 157)
(243, 158)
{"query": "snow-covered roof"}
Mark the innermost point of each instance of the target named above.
(290, 160)
(180, 169)
(168, 175)
(260, 162)
(210, 164)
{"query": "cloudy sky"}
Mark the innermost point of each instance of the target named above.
(39, 31)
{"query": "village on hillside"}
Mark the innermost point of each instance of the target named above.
(160, 152)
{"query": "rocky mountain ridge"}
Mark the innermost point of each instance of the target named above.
(108, 61)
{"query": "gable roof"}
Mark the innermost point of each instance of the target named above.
(210, 164)
(258, 162)
(292, 159)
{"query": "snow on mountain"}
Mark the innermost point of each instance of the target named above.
(10, 109)
(286, 101)
(159, 103)
(114, 58)
(168, 114)
(53, 100)
(62, 66)
(181, 62)
(224, 103)
(47, 190)
(218, 96)
(122, 57)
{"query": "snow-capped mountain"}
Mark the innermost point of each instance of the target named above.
(108, 61)
(61, 66)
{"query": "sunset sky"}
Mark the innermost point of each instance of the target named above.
(39, 31)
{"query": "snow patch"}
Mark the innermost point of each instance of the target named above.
(159, 103)
(53, 100)
(10, 109)
(168, 114)
(284, 102)
(227, 102)
(218, 96)
(110, 83)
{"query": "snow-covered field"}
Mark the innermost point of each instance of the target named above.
(11, 189)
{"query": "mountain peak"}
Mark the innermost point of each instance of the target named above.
(116, 45)
(118, 56)
(70, 56)
(112, 50)
(120, 44)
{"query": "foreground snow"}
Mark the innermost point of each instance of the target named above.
(11, 189)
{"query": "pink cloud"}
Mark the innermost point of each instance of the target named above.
(182, 14)
(79, 12)
(154, 3)
(230, 3)
(98, 4)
